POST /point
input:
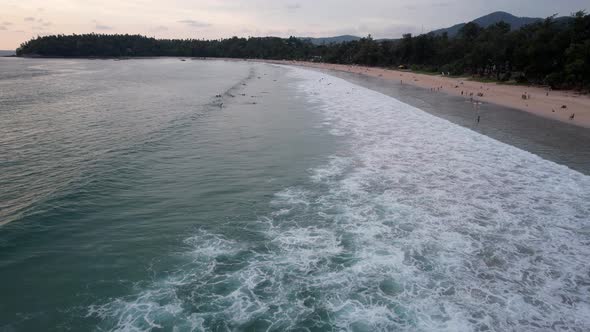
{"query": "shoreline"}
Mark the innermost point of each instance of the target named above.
(562, 142)
(542, 102)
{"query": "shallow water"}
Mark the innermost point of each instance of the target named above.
(563, 143)
(178, 196)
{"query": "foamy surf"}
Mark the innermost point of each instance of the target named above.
(416, 225)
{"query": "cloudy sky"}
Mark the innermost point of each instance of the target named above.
(22, 19)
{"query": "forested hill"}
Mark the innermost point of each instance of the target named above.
(553, 52)
(6, 53)
(331, 40)
(493, 18)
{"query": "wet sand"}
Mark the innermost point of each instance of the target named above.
(540, 101)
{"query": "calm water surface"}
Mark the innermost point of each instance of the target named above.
(162, 195)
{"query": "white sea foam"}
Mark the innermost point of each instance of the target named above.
(421, 225)
(492, 236)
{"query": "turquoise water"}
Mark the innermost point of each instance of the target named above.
(109, 166)
(161, 195)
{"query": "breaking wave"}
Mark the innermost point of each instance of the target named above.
(418, 225)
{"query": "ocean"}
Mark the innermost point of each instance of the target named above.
(167, 195)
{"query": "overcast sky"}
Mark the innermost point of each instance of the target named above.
(22, 19)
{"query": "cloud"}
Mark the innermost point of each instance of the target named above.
(273, 33)
(195, 24)
(160, 28)
(293, 6)
(29, 19)
(2, 27)
(103, 27)
(441, 4)
(434, 5)
(100, 26)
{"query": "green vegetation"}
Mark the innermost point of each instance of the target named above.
(551, 52)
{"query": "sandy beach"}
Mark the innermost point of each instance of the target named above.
(540, 101)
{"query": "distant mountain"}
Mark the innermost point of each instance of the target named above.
(490, 19)
(7, 53)
(331, 40)
(484, 21)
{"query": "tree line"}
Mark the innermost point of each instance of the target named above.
(554, 52)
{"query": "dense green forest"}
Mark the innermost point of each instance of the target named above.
(552, 52)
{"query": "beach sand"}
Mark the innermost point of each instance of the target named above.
(541, 101)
